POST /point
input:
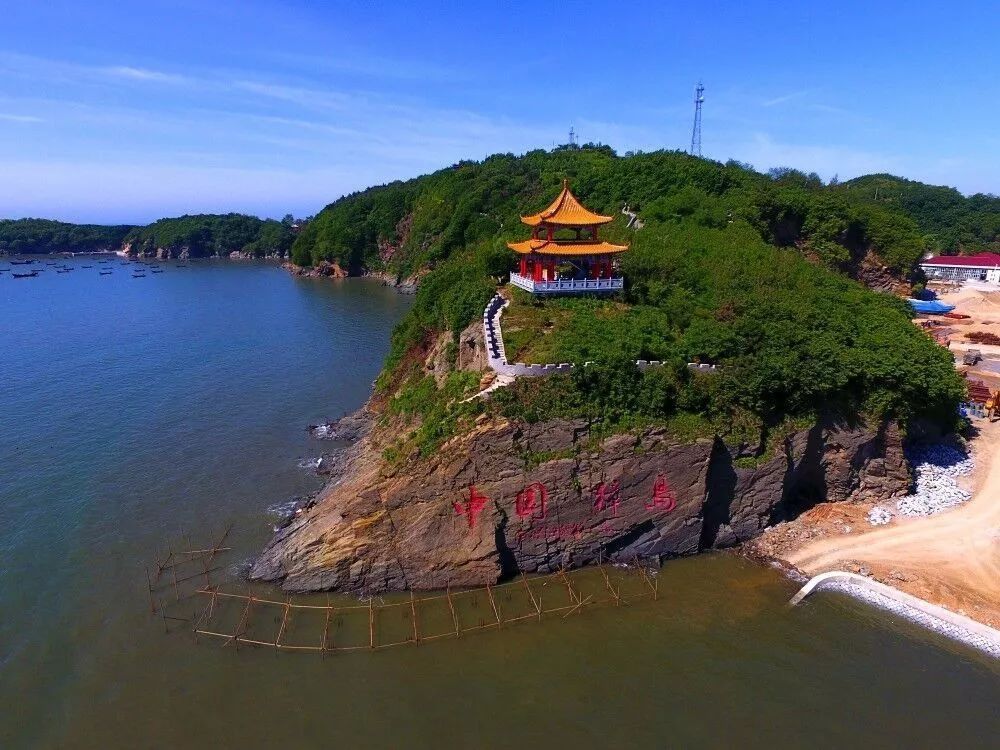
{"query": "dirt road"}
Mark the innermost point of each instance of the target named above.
(952, 558)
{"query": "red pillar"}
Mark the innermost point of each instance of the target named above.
(524, 266)
(536, 269)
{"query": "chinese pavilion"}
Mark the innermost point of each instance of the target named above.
(564, 254)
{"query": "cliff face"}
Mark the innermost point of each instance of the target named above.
(508, 498)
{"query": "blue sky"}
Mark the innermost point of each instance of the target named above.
(128, 111)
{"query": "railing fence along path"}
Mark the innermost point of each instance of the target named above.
(497, 354)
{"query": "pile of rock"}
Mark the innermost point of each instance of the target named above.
(936, 467)
(879, 516)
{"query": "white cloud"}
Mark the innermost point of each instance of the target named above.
(144, 74)
(20, 118)
(782, 99)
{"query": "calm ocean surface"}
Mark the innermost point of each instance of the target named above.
(132, 410)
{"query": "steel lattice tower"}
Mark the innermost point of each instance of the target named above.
(696, 130)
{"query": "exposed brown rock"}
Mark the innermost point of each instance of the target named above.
(507, 498)
(323, 268)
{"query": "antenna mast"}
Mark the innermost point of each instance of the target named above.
(696, 130)
(572, 136)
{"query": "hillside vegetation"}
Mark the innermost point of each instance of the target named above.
(201, 235)
(951, 223)
(214, 234)
(732, 267)
(23, 236)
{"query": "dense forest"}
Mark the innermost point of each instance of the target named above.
(951, 222)
(732, 267)
(214, 234)
(201, 235)
(413, 224)
(46, 236)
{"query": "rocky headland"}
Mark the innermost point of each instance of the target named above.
(507, 498)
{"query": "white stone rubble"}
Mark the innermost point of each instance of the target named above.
(878, 516)
(936, 467)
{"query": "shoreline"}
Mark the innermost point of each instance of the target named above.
(950, 559)
(935, 618)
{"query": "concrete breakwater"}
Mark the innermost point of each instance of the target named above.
(938, 619)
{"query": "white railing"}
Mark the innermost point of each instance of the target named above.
(568, 285)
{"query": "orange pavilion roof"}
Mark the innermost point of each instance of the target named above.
(555, 247)
(566, 210)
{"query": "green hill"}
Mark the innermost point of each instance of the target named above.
(22, 236)
(950, 222)
(212, 234)
(732, 267)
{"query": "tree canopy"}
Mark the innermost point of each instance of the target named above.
(22, 236)
(215, 234)
(746, 271)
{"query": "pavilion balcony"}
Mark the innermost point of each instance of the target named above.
(567, 286)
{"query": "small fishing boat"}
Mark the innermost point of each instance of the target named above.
(87, 266)
(63, 270)
(21, 262)
(23, 275)
(106, 273)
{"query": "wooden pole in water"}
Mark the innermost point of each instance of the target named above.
(413, 615)
(281, 630)
(149, 588)
(537, 606)
(326, 626)
(173, 573)
(451, 606)
(607, 582)
(493, 604)
(572, 594)
(371, 622)
(243, 620)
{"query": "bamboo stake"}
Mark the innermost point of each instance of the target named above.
(243, 619)
(281, 630)
(493, 604)
(607, 582)
(203, 551)
(149, 588)
(454, 617)
(645, 577)
(538, 608)
(413, 616)
(177, 596)
(572, 594)
(326, 626)
(578, 605)
(371, 623)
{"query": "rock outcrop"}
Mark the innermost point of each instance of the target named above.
(508, 498)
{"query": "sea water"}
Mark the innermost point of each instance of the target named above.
(134, 411)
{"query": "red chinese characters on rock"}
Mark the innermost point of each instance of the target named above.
(532, 502)
(608, 495)
(663, 498)
(472, 507)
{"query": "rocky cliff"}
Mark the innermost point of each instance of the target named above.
(507, 498)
